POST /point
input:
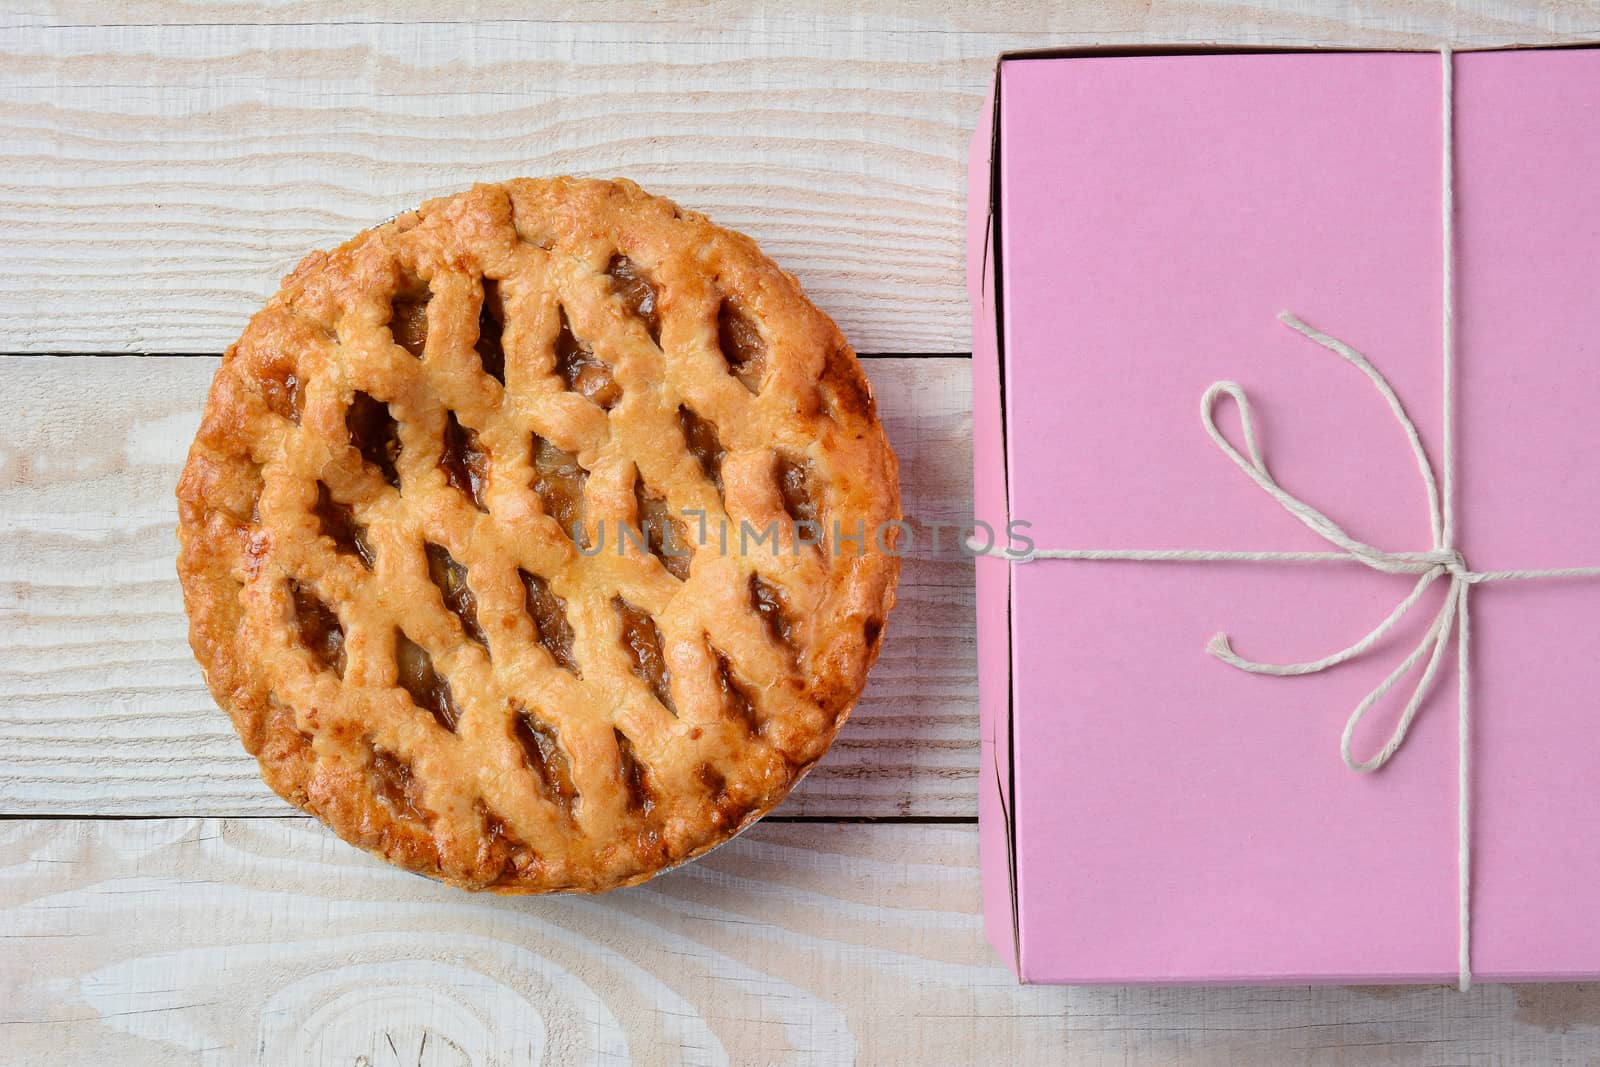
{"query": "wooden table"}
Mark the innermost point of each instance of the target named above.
(159, 170)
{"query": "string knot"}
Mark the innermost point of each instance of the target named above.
(1449, 560)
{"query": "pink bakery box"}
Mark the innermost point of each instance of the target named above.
(1138, 223)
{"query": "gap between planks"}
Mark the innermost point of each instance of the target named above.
(218, 355)
(853, 820)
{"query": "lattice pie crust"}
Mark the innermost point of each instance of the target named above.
(400, 517)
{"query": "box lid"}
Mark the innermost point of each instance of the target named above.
(1173, 819)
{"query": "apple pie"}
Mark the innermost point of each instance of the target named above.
(539, 539)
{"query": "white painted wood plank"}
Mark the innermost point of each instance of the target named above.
(104, 712)
(266, 940)
(164, 166)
